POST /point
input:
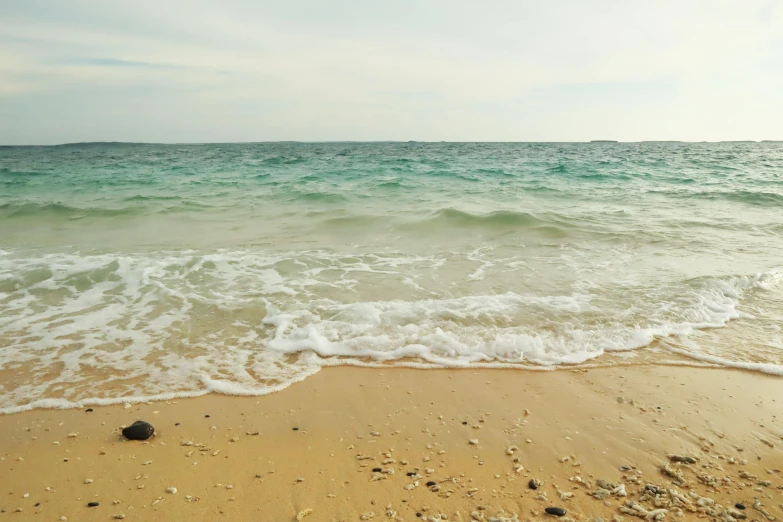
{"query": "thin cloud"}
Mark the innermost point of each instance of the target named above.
(241, 70)
(114, 62)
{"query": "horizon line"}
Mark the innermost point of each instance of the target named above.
(597, 141)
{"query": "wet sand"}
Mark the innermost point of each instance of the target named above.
(478, 437)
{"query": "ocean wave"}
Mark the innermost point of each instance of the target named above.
(741, 196)
(61, 210)
(250, 322)
(141, 197)
(283, 161)
(319, 196)
(22, 173)
(499, 219)
(18, 210)
(503, 221)
(352, 221)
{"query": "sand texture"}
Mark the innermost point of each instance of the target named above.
(624, 443)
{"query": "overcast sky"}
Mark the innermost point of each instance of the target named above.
(462, 70)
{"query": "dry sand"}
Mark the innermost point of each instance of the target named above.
(314, 446)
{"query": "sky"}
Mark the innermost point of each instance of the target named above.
(427, 70)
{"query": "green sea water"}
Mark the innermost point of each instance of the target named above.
(143, 271)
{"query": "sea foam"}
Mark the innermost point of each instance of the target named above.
(100, 329)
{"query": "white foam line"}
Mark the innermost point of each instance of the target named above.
(768, 368)
(232, 389)
(220, 387)
(441, 332)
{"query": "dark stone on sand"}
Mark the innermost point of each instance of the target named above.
(296, 429)
(377, 470)
(93, 504)
(556, 511)
(411, 473)
(206, 416)
(532, 484)
(176, 424)
(418, 515)
(431, 483)
(464, 423)
(739, 506)
(139, 430)
(37, 504)
(88, 410)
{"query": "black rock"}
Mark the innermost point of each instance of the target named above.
(139, 430)
(739, 506)
(419, 515)
(377, 470)
(88, 410)
(93, 504)
(176, 424)
(558, 512)
(206, 416)
(411, 473)
(532, 484)
(464, 423)
(296, 429)
(37, 504)
(431, 483)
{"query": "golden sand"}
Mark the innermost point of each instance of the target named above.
(479, 435)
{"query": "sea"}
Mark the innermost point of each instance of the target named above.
(136, 272)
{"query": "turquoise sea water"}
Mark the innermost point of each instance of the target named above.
(164, 270)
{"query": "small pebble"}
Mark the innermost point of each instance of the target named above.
(532, 484)
(171, 490)
(88, 410)
(739, 506)
(556, 511)
(93, 504)
(431, 483)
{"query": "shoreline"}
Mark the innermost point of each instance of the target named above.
(686, 362)
(465, 430)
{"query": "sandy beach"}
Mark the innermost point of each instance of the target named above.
(359, 444)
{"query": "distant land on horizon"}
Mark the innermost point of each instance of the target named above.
(137, 143)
